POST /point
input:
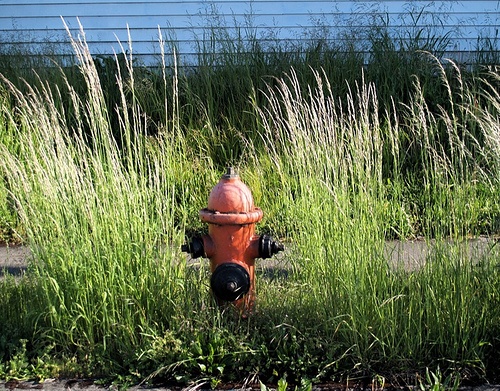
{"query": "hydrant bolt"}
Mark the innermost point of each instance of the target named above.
(230, 173)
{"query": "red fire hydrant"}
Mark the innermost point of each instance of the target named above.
(231, 244)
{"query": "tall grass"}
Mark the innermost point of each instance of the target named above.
(8, 220)
(99, 219)
(105, 206)
(327, 152)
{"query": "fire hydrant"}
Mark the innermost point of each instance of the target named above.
(231, 244)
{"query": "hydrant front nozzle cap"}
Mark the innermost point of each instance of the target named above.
(230, 282)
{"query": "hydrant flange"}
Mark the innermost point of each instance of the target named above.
(221, 218)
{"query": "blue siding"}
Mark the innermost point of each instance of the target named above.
(38, 24)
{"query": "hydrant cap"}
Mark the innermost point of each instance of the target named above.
(230, 195)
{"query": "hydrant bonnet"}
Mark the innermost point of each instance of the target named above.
(230, 195)
(231, 202)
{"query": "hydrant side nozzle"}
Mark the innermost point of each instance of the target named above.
(268, 247)
(194, 247)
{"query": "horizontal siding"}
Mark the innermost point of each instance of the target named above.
(443, 9)
(38, 24)
(125, 8)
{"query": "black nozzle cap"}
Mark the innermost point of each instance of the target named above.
(230, 282)
(194, 247)
(268, 247)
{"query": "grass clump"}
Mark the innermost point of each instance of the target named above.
(107, 210)
(375, 318)
(105, 203)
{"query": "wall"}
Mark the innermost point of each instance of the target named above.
(37, 26)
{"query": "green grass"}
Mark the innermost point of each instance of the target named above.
(105, 183)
